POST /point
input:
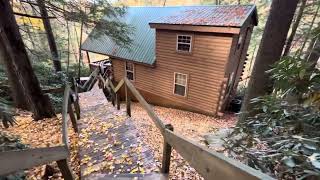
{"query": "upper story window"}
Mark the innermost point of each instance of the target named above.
(130, 70)
(180, 84)
(184, 43)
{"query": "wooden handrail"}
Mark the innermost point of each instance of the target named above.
(76, 104)
(160, 125)
(66, 96)
(105, 83)
(89, 83)
(12, 161)
(67, 109)
(210, 164)
(120, 84)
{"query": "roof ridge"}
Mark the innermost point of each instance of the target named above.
(158, 6)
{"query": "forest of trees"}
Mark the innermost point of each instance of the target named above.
(40, 48)
(23, 45)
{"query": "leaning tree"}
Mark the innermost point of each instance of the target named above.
(270, 50)
(25, 84)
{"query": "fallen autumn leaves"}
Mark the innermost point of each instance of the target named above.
(192, 125)
(44, 133)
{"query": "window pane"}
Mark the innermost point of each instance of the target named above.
(180, 90)
(184, 47)
(181, 79)
(184, 43)
(130, 75)
(129, 66)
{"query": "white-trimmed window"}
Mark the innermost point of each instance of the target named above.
(184, 43)
(180, 84)
(130, 70)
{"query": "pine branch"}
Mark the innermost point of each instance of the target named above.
(32, 16)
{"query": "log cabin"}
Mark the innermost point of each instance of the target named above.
(185, 57)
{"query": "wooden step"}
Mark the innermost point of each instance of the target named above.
(153, 176)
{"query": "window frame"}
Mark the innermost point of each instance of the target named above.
(131, 71)
(186, 85)
(177, 43)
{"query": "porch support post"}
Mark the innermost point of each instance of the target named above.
(166, 156)
(89, 61)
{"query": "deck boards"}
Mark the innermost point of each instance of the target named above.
(110, 143)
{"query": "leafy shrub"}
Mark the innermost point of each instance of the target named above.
(283, 138)
(49, 79)
(295, 76)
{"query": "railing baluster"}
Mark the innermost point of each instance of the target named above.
(118, 101)
(65, 169)
(72, 116)
(76, 103)
(128, 101)
(166, 156)
(77, 108)
(112, 97)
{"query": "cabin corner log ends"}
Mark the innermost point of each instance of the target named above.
(208, 163)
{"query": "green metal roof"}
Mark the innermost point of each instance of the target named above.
(143, 46)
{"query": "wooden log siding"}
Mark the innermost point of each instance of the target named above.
(205, 67)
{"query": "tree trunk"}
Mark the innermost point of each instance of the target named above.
(16, 89)
(270, 50)
(20, 65)
(80, 52)
(315, 53)
(309, 31)
(50, 36)
(294, 28)
(312, 43)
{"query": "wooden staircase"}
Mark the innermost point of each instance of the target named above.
(152, 176)
(208, 163)
(110, 145)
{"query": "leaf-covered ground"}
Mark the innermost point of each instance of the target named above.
(190, 125)
(47, 133)
(44, 133)
(110, 143)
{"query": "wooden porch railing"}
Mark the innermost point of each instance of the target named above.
(12, 161)
(210, 164)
